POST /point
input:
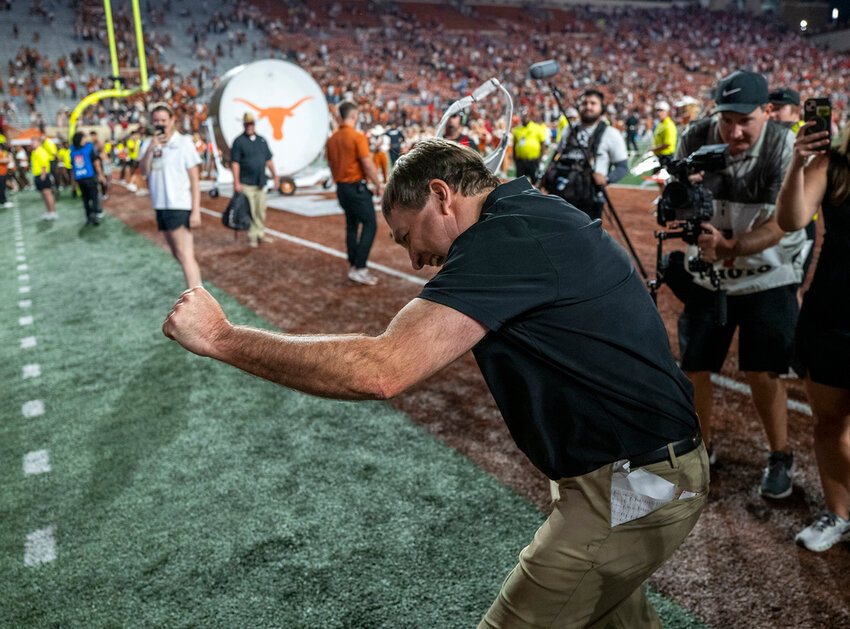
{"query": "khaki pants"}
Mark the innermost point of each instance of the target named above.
(578, 571)
(257, 200)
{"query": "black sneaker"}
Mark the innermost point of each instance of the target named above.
(776, 481)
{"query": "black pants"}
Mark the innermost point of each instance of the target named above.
(356, 202)
(631, 141)
(91, 199)
(527, 167)
(2, 189)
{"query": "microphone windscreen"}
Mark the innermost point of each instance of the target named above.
(543, 69)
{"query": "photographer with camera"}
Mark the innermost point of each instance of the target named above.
(756, 262)
(589, 157)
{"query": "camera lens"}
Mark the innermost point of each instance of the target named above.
(677, 195)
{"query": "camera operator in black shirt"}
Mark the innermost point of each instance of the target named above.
(589, 156)
(758, 264)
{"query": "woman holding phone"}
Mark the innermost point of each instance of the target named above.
(171, 164)
(819, 176)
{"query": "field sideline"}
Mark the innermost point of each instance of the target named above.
(144, 486)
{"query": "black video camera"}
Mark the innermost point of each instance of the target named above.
(687, 205)
(684, 201)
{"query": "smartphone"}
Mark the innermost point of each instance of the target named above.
(819, 110)
(160, 128)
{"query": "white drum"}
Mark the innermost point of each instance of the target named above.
(289, 107)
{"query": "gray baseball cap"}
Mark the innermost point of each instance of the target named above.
(741, 92)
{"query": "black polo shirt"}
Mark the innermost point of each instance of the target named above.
(576, 357)
(251, 155)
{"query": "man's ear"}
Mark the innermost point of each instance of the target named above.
(443, 192)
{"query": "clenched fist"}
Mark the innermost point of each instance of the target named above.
(197, 322)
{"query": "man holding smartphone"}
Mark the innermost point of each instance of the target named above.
(171, 165)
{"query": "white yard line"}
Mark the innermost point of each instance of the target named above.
(744, 389)
(33, 408)
(333, 252)
(40, 546)
(36, 462)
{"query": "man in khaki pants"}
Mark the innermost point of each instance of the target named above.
(249, 157)
(570, 345)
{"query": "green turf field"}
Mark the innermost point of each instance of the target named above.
(184, 493)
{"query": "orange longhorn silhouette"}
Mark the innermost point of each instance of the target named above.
(275, 115)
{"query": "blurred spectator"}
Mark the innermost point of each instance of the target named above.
(40, 168)
(530, 139)
(348, 156)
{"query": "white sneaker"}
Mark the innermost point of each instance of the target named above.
(131, 187)
(46, 216)
(142, 193)
(362, 276)
(824, 532)
(8, 204)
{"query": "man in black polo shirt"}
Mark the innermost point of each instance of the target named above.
(572, 349)
(249, 157)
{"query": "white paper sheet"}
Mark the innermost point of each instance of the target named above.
(636, 493)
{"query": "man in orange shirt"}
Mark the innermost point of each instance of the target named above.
(351, 164)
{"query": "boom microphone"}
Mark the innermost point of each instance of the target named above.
(494, 158)
(543, 69)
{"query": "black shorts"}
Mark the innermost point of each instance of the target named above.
(822, 345)
(43, 184)
(168, 220)
(766, 323)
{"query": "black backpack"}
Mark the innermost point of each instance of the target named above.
(238, 213)
(570, 174)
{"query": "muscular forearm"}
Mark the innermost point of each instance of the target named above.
(341, 367)
(755, 241)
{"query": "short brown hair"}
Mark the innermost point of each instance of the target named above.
(162, 107)
(345, 108)
(459, 166)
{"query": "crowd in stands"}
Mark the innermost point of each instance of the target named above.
(404, 63)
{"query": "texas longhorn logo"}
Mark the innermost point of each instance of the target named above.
(275, 115)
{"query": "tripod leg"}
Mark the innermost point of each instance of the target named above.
(625, 235)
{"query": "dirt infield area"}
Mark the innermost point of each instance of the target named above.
(739, 567)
